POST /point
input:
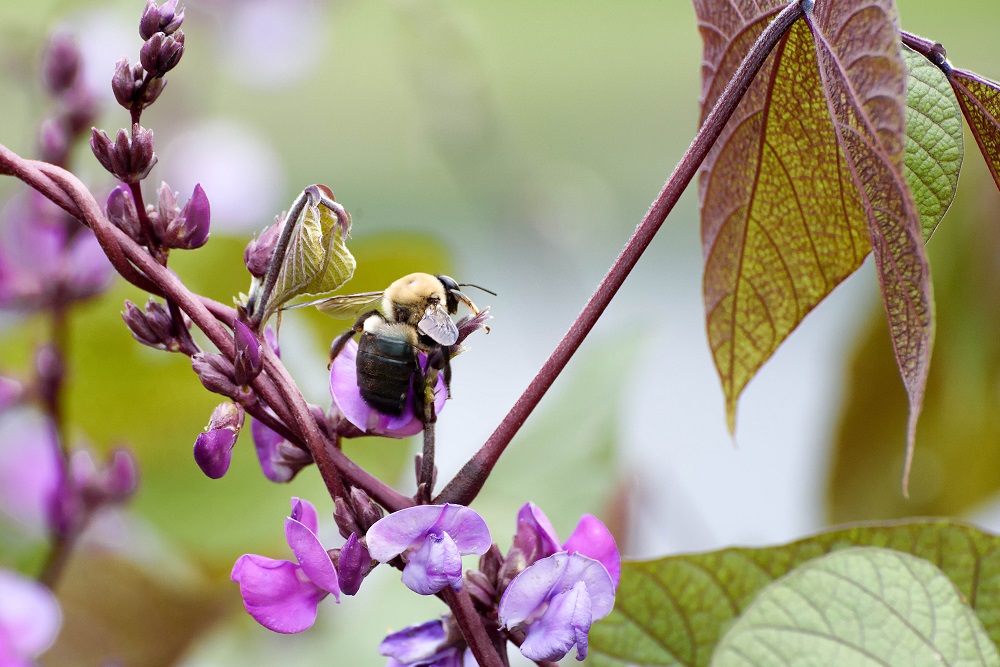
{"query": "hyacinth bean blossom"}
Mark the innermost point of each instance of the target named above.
(426, 644)
(536, 538)
(281, 595)
(432, 540)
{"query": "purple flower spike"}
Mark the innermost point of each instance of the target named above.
(29, 619)
(556, 600)
(347, 397)
(281, 595)
(432, 540)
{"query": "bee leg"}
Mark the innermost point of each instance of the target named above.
(423, 392)
(446, 371)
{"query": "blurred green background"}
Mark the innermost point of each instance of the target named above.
(514, 145)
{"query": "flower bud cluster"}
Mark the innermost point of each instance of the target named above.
(154, 327)
(356, 514)
(183, 228)
(76, 105)
(128, 158)
(138, 85)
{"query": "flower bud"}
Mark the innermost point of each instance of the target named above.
(480, 588)
(155, 327)
(186, 229)
(257, 255)
(165, 19)
(60, 63)
(213, 450)
(248, 362)
(367, 512)
(343, 515)
(121, 476)
(53, 140)
(490, 564)
(126, 82)
(122, 212)
(130, 159)
(113, 482)
(353, 565)
(215, 373)
(162, 52)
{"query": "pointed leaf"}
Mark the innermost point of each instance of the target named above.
(858, 606)
(980, 100)
(934, 140)
(803, 180)
(673, 611)
(317, 260)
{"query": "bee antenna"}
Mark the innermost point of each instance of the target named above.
(477, 287)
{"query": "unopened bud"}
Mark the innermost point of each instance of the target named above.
(130, 159)
(165, 19)
(343, 515)
(155, 327)
(61, 62)
(162, 52)
(480, 588)
(121, 476)
(215, 373)
(490, 563)
(257, 255)
(126, 82)
(123, 214)
(213, 449)
(366, 511)
(187, 228)
(248, 363)
(353, 564)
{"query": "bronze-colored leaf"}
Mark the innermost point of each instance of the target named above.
(980, 100)
(805, 179)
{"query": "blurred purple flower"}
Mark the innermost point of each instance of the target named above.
(536, 539)
(29, 474)
(281, 595)
(41, 262)
(29, 619)
(425, 645)
(347, 398)
(213, 449)
(432, 540)
(11, 392)
(556, 600)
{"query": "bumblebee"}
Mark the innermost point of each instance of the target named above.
(415, 317)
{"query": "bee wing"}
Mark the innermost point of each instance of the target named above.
(437, 324)
(344, 306)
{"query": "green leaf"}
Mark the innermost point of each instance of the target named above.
(673, 611)
(317, 260)
(804, 180)
(980, 100)
(934, 140)
(859, 606)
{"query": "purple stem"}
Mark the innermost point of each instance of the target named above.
(464, 487)
(471, 624)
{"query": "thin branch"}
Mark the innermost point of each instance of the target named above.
(471, 624)
(464, 487)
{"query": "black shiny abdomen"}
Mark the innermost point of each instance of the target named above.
(385, 368)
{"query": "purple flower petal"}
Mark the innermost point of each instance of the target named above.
(564, 624)
(11, 392)
(304, 512)
(312, 557)
(29, 617)
(277, 593)
(540, 582)
(434, 566)
(30, 478)
(593, 539)
(266, 444)
(397, 532)
(535, 537)
(87, 269)
(417, 642)
(347, 398)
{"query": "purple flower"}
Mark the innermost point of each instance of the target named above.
(537, 539)
(347, 398)
(282, 595)
(29, 619)
(29, 474)
(11, 392)
(279, 459)
(425, 645)
(556, 600)
(432, 540)
(213, 450)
